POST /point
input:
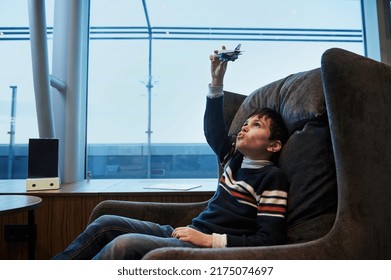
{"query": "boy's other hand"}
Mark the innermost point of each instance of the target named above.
(195, 237)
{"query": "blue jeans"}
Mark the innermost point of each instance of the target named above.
(115, 237)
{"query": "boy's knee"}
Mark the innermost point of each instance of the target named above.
(103, 221)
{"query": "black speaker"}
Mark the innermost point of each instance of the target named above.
(43, 164)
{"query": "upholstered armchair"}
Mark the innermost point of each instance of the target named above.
(337, 159)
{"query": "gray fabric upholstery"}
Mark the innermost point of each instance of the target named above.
(232, 103)
(357, 93)
(307, 159)
(298, 98)
(174, 214)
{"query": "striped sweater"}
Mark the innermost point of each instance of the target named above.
(249, 205)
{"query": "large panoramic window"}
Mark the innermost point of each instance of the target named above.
(149, 71)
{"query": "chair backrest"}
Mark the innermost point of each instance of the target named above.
(358, 98)
(307, 157)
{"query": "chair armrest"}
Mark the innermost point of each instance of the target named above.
(319, 249)
(175, 214)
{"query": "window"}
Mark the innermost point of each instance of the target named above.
(277, 37)
(128, 137)
(16, 87)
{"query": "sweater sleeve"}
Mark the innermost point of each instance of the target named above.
(271, 214)
(214, 128)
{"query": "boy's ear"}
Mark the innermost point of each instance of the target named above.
(275, 146)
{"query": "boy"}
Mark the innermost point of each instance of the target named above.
(248, 208)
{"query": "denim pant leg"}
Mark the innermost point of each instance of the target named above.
(105, 229)
(134, 246)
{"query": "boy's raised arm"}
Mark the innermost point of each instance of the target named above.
(214, 127)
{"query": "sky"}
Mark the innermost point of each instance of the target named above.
(118, 69)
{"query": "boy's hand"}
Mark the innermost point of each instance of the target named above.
(193, 236)
(218, 69)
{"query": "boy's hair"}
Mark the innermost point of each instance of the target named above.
(278, 130)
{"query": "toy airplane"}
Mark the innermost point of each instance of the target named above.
(229, 55)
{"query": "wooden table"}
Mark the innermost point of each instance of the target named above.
(10, 204)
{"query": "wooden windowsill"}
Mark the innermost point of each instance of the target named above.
(111, 186)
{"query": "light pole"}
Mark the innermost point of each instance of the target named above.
(149, 86)
(12, 132)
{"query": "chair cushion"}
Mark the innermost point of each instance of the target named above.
(307, 157)
(298, 98)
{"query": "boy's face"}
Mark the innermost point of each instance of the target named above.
(253, 140)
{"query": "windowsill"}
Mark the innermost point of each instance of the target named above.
(112, 186)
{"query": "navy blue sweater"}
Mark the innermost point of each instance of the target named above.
(249, 205)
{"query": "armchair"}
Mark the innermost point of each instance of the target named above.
(337, 160)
